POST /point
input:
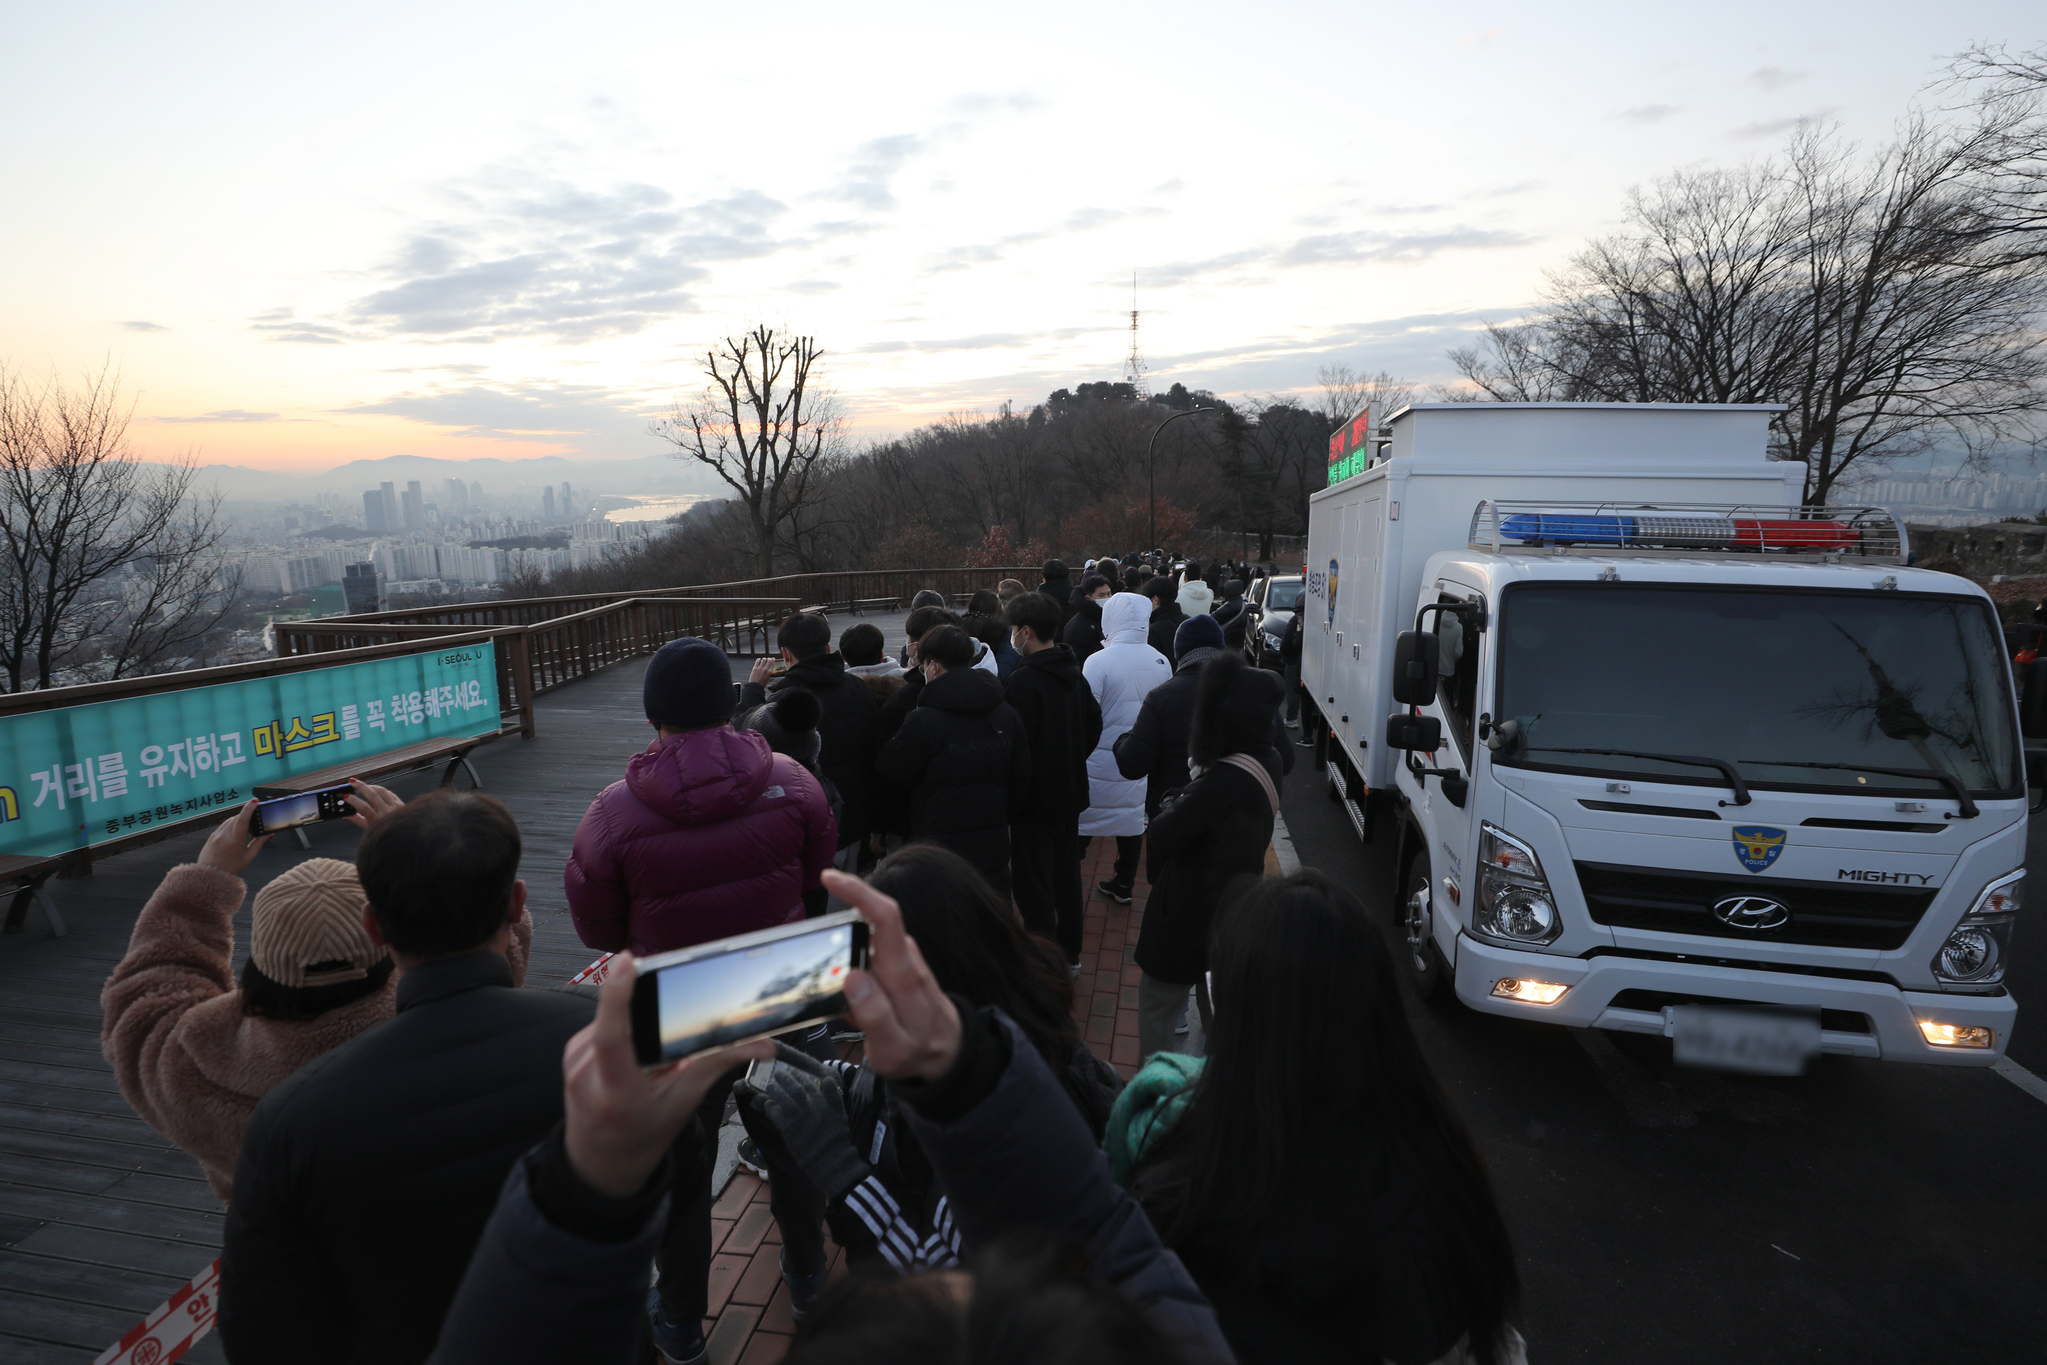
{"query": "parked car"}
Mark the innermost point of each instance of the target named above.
(1271, 606)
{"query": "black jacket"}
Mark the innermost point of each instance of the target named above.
(1083, 634)
(1213, 832)
(847, 732)
(1060, 590)
(1155, 745)
(367, 1177)
(965, 764)
(1290, 643)
(1062, 722)
(564, 1277)
(1165, 623)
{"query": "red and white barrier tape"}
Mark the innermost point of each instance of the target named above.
(172, 1329)
(593, 973)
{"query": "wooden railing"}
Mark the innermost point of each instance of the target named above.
(544, 642)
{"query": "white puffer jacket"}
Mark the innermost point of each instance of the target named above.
(1121, 673)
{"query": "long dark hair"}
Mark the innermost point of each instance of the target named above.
(1316, 1102)
(975, 947)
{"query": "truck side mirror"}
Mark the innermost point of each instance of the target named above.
(1416, 655)
(1416, 734)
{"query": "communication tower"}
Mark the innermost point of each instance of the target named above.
(1133, 369)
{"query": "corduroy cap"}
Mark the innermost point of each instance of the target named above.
(689, 685)
(306, 927)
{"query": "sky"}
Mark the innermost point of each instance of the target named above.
(306, 235)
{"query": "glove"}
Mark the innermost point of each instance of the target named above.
(804, 1102)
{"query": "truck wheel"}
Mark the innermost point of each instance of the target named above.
(1425, 967)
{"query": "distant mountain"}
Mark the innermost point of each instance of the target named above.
(644, 475)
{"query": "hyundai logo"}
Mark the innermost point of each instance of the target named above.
(1751, 912)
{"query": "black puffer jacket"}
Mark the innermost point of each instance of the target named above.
(1062, 722)
(366, 1179)
(965, 763)
(1155, 747)
(1083, 634)
(1060, 590)
(1165, 623)
(1218, 827)
(848, 732)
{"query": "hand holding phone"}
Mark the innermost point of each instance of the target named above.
(621, 1116)
(232, 847)
(748, 986)
(300, 808)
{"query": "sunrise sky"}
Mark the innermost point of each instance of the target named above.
(313, 234)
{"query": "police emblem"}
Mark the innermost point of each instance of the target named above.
(1757, 845)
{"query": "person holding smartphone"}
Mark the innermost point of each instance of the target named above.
(194, 1046)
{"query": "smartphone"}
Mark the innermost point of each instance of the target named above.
(745, 987)
(304, 808)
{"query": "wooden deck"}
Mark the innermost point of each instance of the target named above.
(101, 1219)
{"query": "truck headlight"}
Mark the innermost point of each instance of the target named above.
(1975, 954)
(1514, 904)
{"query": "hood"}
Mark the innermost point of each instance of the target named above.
(1057, 662)
(887, 668)
(1234, 589)
(700, 777)
(971, 691)
(1088, 607)
(1195, 599)
(1234, 708)
(1126, 618)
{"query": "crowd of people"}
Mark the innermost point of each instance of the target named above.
(424, 1156)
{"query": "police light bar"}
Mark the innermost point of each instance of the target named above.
(1866, 533)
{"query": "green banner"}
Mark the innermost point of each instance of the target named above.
(83, 775)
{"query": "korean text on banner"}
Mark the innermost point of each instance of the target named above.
(82, 775)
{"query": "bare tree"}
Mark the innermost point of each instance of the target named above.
(1346, 393)
(112, 566)
(762, 425)
(2008, 93)
(1870, 294)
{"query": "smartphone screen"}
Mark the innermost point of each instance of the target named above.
(744, 987)
(304, 808)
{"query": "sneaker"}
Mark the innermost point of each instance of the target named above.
(1118, 894)
(1304, 742)
(803, 1289)
(750, 1157)
(675, 1344)
(1073, 969)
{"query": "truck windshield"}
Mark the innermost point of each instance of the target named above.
(1767, 679)
(1283, 596)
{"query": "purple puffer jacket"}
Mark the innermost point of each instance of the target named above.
(711, 834)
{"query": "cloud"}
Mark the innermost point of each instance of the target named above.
(284, 324)
(1173, 186)
(1645, 113)
(224, 415)
(1776, 126)
(145, 327)
(866, 183)
(1332, 248)
(1773, 77)
(590, 419)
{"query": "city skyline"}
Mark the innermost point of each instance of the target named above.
(467, 233)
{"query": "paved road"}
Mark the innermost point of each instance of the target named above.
(1863, 1212)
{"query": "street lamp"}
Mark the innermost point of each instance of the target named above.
(1151, 471)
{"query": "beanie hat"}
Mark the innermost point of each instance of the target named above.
(689, 685)
(1196, 632)
(788, 722)
(306, 927)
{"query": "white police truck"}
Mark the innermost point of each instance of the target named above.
(1662, 750)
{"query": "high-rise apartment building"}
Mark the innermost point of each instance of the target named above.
(414, 503)
(373, 513)
(547, 503)
(392, 521)
(458, 496)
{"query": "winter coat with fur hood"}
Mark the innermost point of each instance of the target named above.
(1122, 674)
(711, 834)
(187, 1059)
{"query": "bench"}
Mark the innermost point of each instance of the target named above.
(26, 873)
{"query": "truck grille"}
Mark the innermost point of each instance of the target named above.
(1822, 914)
